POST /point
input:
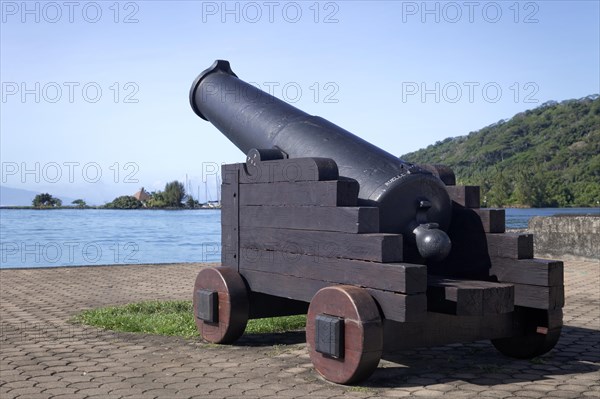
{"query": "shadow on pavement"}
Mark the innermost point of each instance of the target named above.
(578, 351)
(258, 340)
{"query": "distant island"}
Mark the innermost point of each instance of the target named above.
(173, 197)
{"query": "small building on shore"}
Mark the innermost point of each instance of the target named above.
(142, 195)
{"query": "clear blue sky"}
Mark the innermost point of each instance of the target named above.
(402, 75)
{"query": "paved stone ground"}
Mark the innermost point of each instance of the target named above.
(43, 356)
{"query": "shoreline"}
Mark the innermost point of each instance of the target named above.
(16, 208)
(87, 207)
(565, 257)
(108, 265)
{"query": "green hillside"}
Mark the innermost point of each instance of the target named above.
(547, 156)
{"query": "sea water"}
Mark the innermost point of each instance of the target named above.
(87, 237)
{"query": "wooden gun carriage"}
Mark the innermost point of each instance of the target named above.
(299, 235)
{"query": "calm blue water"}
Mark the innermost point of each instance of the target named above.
(30, 238)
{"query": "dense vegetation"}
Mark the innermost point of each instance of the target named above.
(545, 157)
(171, 197)
(124, 202)
(79, 203)
(46, 200)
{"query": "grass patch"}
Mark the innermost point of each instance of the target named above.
(276, 324)
(172, 318)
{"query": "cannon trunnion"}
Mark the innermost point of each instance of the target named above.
(299, 236)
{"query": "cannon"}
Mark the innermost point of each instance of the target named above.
(378, 252)
(411, 200)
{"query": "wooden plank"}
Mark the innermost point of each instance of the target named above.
(395, 277)
(498, 298)
(510, 245)
(493, 220)
(450, 299)
(377, 247)
(229, 173)
(394, 306)
(264, 305)
(343, 219)
(542, 272)
(534, 296)
(400, 307)
(230, 231)
(296, 288)
(229, 239)
(468, 297)
(440, 329)
(467, 196)
(283, 170)
(229, 194)
(320, 193)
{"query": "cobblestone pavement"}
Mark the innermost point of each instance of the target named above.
(43, 356)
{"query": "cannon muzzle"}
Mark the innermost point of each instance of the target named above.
(411, 200)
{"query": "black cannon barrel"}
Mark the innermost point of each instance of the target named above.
(411, 200)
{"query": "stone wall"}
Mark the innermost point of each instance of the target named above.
(566, 235)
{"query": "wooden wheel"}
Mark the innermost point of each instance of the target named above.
(538, 332)
(220, 305)
(344, 334)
